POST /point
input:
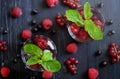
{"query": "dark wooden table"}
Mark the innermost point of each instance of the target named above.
(85, 54)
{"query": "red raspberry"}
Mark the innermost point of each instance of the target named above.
(5, 71)
(47, 24)
(26, 34)
(52, 3)
(16, 12)
(82, 35)
(74, 28)
(47, 75)
(93, 73)
(41, 42)
(71, 48)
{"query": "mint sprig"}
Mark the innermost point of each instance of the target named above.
(87, 11)
(93, 30)
(74, 16)
(45, 59)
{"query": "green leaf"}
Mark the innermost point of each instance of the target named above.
(47, 56)
(87, 11)
(94, 31)
(32, 61)
(74, 16)
(33, 50)
(52, 65)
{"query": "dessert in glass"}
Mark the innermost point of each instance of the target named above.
(39, 54)
(87, 23)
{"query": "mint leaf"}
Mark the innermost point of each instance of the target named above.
(94, 31)
(32, 61)
(47, 56)
(33, 50)
(52, 65)
(87, 11)
(74, 16)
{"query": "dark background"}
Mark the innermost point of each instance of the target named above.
(85, 53)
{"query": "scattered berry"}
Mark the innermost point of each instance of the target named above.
(72, 48)
(26, 34)
(35, 29)
(47, 24)
(41, 42)
(109, 22)
(5, 31)
(5, 71)
(3, 46)
(34, 11)
(93, 73)
(53, 32)
(103, 63)
(16, 12)
(47, 75)
(100, 5)
(52, 3)
(111, 32)
(114, 53)
(33, 22)
(71, 65)
(98, 53)
(62, 20)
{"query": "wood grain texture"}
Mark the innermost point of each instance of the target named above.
(85, 53)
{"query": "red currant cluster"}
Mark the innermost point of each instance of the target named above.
(114, 53)
(3, 46)
(72, 3)
(61, 20)
(71, 65)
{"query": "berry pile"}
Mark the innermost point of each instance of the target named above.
(114, 53)
(71, 65)
(41, 42)
(72, 3)
(3, 46)
(61, 20)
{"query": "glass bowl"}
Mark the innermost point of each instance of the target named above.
(78, 33)
(50, 47)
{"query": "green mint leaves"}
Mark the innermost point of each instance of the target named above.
(47, 56)
(74, 16)
(38, 57)
(87, 11)
(93, 30)
(52, 65)
(33, 50)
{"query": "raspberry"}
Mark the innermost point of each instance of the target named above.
(47, 75)
(47, 24)
(52, 3)
(93, 73)
(71, 48)
(16, 12)
(5, 71)
(41, 42)
(26, 34)
(82, 35)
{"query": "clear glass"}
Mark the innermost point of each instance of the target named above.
(96, 14)
(52, 48)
